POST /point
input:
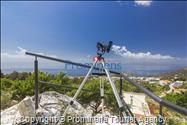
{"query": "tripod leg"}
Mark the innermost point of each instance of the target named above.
(102, 94)
(79, 89)
(118, 99)
(113, 87)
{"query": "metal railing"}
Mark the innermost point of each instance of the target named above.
(161, 102)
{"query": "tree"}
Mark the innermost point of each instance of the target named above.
(184, 86)
(13, 75)
(6, 92)
(177, 98)
(91, 98)
(2, 75)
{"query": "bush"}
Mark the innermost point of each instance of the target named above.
(6, 84)
(178, 98)
(5, 99)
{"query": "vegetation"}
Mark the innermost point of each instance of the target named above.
(155, 88)
(178, 98)
(184, 86)
(180, 75)
(16, 86)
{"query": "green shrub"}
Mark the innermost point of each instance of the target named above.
(5, 99)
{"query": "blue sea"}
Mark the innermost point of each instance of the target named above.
(52, 71)
(83, 72)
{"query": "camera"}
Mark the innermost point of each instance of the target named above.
(101, 49)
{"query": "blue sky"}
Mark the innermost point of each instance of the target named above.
(71, 29)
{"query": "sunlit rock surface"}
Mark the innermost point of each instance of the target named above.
(12, 115)
(51, 105)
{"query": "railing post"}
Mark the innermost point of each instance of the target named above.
(160, 116)
(120, 91)
(36, 82)
(121, 86)
(160, 110)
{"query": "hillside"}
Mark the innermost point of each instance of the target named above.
(180, 74)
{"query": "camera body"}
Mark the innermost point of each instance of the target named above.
(101, 49)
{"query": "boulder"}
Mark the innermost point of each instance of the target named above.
(51, 105)
(51, 108)
(14, 115)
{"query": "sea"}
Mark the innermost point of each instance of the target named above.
(83, 72)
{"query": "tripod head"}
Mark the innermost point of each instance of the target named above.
(101, 49)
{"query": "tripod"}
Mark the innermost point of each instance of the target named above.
(98, 58)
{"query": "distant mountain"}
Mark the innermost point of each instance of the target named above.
(180, 74)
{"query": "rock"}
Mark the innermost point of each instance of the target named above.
(13, 102)
(14, 114)
(26, 107)
(51, 105)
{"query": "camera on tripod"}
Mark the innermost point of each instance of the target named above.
(101, 49)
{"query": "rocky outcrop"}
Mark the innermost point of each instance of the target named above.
(50, 111)
(51, 105)
(13, 115)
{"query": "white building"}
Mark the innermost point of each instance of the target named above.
(164, 82)
(137, 103)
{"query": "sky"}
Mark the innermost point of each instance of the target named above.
(144, 33)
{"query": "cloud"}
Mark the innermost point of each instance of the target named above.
(143, 3)
(17, 56)
(19, 59)
(138, 62)
(124, 52)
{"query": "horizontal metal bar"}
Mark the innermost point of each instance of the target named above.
(66, 61)
(99, 74)
(71, 87)
(174, 107)
(147, 92)
(138, 85)
(156, 98)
